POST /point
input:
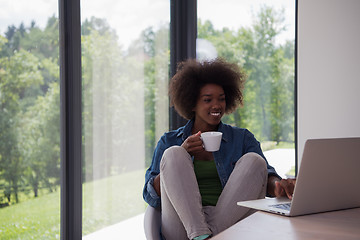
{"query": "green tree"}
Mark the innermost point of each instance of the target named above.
(40, 141)
(16, 74)
(101, 63)
(156, 75)
(13, 40)
(43, 45)
(282, 105)
(265, 63)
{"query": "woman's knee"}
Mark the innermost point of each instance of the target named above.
(252, 160)
(174, 157)
(254, 167)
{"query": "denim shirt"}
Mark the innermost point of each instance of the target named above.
(234, 144)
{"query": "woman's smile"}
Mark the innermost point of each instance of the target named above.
(216, 115)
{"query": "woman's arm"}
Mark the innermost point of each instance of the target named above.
(150, 193)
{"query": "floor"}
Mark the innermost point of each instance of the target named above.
(131, 228)
(281, 159)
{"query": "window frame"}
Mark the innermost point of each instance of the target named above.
(183, 34)
(70, 114)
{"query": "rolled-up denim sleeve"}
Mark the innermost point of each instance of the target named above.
(151, 189)
(149, 194)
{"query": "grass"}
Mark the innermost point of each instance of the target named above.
(105, 202)
(33, 219)
(269, 145)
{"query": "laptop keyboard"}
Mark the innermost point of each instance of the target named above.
(285, 206)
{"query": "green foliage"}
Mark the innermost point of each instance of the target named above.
(102, 63)
(28, 68)
(155, 86)
(16, 74)
(269, 91)
(41, 140)
(150, 87)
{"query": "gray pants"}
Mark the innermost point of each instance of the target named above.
(184, 217)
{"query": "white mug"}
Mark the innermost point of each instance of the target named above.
(211, 141)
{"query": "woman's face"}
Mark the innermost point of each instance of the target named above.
(210, 107)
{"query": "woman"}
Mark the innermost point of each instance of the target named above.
(198, 190)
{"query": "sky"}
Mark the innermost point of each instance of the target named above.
(128, 18)
(239, 13)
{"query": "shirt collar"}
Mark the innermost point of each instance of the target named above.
(185, 131)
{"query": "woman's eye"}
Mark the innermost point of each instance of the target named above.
(207, 100)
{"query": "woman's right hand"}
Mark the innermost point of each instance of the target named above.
(193, 144)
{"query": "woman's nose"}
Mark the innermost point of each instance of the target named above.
(216, 105)
(218, 102)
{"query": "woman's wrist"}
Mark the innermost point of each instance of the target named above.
(157, 184)
(271, 185)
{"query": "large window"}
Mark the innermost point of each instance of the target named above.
(29, 120)
(125, 69)
(125, 61)
(260, 37)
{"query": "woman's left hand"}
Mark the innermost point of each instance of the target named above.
(285, 187)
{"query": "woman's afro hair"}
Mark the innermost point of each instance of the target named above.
(192, 75)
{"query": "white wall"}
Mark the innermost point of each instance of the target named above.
(328, 69)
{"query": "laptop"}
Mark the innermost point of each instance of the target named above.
(328, 180)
